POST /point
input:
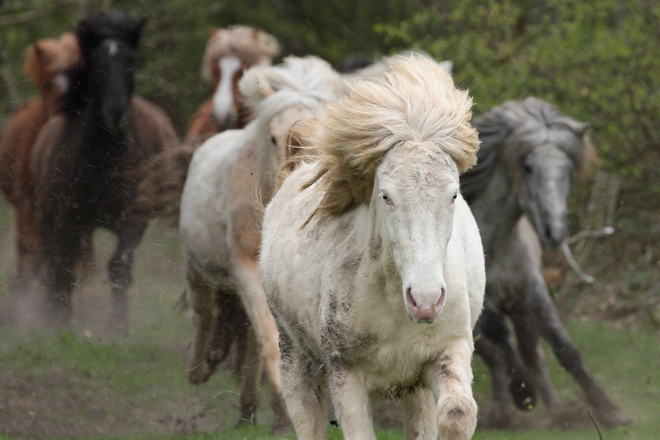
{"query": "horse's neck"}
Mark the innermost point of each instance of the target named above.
(496, 210)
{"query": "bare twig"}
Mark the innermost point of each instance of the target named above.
(602, 232)
(595, 424)
(24, 17)
(574, 264)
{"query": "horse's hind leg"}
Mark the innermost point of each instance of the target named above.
(544, 313)
(250, 371)
(120, 266)
(203, 313)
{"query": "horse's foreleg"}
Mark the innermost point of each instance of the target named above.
(568, 355)
(527, 335)
(61, 252)
(352, 404)
(450, 379)
(500, 410)
(27, 241)
(120, 266)
(494, 343)
(420, 416)
(303, 393)
(253, 298)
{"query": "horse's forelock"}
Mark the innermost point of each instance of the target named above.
(252, 46)
(108, 25)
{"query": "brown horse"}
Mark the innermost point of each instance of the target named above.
(82, 156)
(229, 52)
(48, 63)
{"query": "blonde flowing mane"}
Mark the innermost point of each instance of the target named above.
(253, 46)
(415, 101)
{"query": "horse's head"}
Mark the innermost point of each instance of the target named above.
(546, 148)
(109, 42)
(285, 94)
(229, 53)
(397, 143)
(49, 63)
(415, 195)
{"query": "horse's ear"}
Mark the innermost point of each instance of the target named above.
(267, 45)
(86, 36)
(447, 66)
(141, 26)
(138, 32)
(255, 86)
(31, 67)
(212, 32)
(582, 130)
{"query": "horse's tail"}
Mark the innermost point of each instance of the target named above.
(160, 184)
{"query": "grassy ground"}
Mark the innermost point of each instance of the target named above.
(89, 383)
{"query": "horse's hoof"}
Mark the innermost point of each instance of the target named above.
(613, 418)
(281, 428)
(118, 324)
(523, 393)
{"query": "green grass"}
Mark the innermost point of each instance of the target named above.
(92, 384)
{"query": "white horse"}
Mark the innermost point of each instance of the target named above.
(372, 262)
(220, 226)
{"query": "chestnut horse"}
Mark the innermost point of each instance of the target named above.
(81, 158)
(47, 63)
(229, 52)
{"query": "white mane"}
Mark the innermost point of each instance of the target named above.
(310, 81)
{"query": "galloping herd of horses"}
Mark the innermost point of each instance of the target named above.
(364, 275)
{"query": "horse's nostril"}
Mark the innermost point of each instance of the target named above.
(548, 232)
(442, 297)
(410, 298)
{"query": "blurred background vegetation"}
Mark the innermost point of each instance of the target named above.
(598, 61)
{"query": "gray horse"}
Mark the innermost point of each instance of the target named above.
(518, 193)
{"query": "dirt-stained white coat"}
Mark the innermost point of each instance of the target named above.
(351, 291)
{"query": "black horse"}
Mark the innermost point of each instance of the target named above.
(81, 158)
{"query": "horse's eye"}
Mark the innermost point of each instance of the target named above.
(47, 85)
(387, 200)
(527, 167)
(453, 199)
(273, 140)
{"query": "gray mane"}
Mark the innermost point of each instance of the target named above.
(513, 129)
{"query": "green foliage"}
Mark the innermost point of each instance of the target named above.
(598, 61)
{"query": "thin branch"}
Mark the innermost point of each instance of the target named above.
(595, 424)
(25, 17)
